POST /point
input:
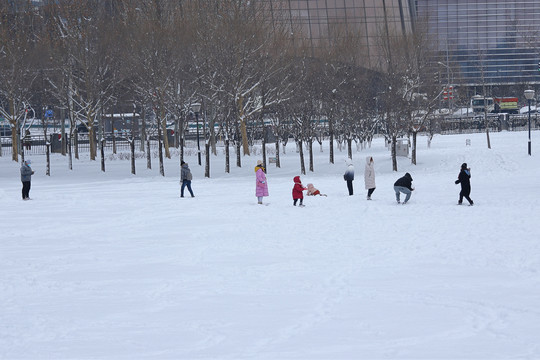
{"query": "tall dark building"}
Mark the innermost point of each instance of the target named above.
(485, 42)
(324, 22)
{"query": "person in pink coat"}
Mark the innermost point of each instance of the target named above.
(261, 187)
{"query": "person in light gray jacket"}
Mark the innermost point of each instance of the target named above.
(185, 178)
(26, 177)
(369, 177)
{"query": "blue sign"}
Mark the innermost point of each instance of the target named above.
(49, 113)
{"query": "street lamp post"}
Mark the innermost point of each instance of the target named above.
(529, 94)
(448, 83)
(196, 108)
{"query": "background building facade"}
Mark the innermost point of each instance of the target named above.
(476, 42)
(324, 23)
(485, 42)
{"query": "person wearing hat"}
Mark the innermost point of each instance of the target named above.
(185, 178)
(464, 178)
(404, 185)
(26, 176)
(261, 186)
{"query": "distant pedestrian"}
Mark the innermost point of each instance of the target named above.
(298, 191)
(26, 177)
(349, 176)
(404, 185)
(185, 177)
(312, 191)
(27, 140)
(261, 186)
(464, 178)
(369, 177)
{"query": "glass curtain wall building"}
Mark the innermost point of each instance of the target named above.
(485, 42)
(325, 23)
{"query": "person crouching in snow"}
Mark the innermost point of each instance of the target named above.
(297, 191)
(464, 178)
(312, 191)
(404, 185)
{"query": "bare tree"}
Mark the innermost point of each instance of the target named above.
(18, 44)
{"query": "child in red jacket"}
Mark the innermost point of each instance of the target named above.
(297, 191)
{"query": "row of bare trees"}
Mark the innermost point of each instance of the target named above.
(88, 58)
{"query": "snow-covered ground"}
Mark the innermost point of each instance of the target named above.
(114, 266)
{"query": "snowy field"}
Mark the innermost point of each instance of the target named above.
(114, 266)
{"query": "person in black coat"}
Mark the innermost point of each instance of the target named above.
(403, 185)
(349, 176)
(464, 178)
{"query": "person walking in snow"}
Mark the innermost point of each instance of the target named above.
(349, 175)
(404, 185)
(464, 178)
(312, 191)
(298, 191)
(261, 187)
(185, 177)
(369, 177)
(26, 177)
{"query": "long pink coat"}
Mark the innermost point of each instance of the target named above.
(261, 189)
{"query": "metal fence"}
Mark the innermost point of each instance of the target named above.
(465, 125)
(36, 145)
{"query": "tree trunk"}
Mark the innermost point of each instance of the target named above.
(113, 135)
(331, 145)
(76, 144)
(181, 148)
(165, 138)
(148, 155)
(227, 156)
(63, 132)
(238, 157)
(207, 159)
(102, 146)
(394, 158)
(143, 129)
(278, 162)
(413, 153)
(160, 152)
(311, 155)
(14, 131)
(349, 148)
(132, 147)
(301, 151)
(48, 157)
(264, 152)
(70, 151)
(243, 129)
(91, 139)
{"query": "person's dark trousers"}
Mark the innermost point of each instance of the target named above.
(370, 191)
(465, 194)
(25, 189)
(184, 184)
(296, 200)
(349, 186)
